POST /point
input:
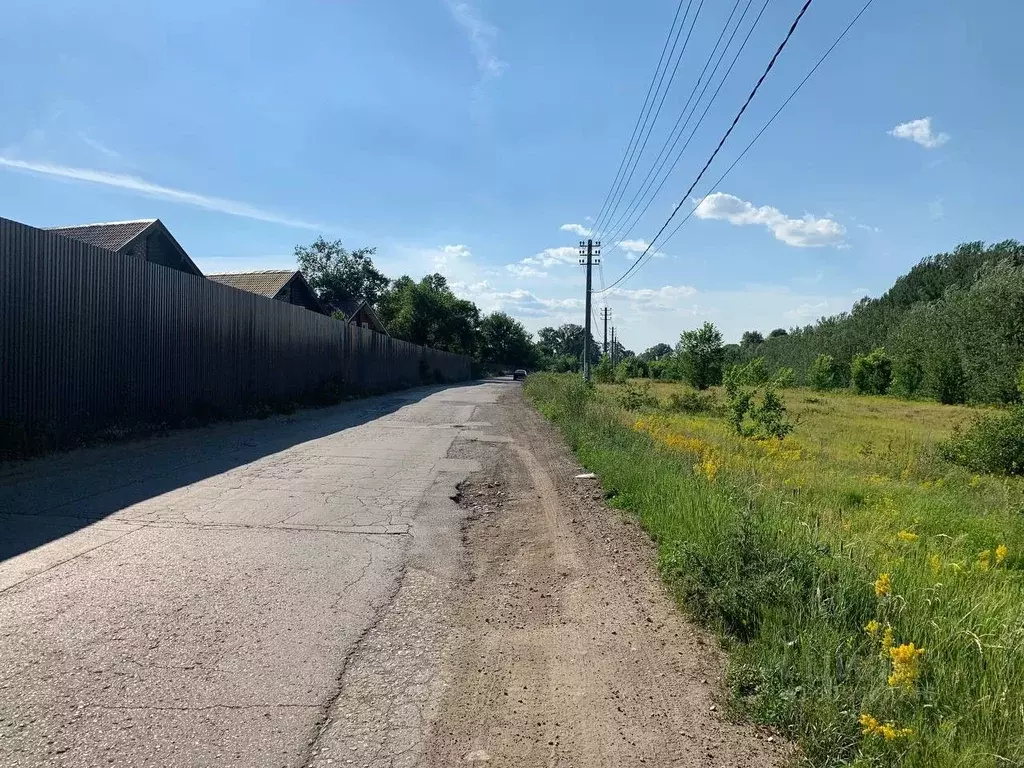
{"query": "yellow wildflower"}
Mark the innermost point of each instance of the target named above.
(883, 585)
(935, 562)
(905, 667)
(872, 628)
(907, 536)
(1001, 552)
(870, 726)
(887, 642)
(984, 559)
(975, 481)
(708, 468)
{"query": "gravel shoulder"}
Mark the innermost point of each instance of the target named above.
(564, 648)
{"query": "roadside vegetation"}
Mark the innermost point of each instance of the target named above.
(859, 555)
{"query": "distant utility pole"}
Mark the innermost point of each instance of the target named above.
(605, 314)
(590, 249)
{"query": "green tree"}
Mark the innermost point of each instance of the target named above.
(657, 352)
(336, 274)
(701, 356)
(428, 313)
(566, 341)
(822, 374)
(872, 373)
(751, 339)
(505, 341)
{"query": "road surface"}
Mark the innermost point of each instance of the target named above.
(409, 580)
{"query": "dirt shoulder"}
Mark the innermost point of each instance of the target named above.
(564, 648)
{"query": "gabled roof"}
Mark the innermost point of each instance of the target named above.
(350, 308)
(267, 282)
(116, 235)
(113, 235)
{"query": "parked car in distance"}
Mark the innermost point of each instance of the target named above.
(519, 375)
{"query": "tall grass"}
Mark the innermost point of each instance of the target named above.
(817, 555)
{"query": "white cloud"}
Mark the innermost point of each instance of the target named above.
(577, 229)
(549, 257)
(668, 297)
(869, 228)
(149, 189)
(448, 257)
(634, 248)
(920, 132)
(525, 270)
(99, 146)
(808, 232)
(807, 311)
(481, 37)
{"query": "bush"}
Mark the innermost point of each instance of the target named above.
(907, 377)
(992, 443)
(637, 397)
(823, 373)
(872, 373)
(784, 378)
(750, 374)
(691, 401)
(769, 417)
(603, 372)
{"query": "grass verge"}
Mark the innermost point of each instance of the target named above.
(869, 594)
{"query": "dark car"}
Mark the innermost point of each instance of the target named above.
(519, 375)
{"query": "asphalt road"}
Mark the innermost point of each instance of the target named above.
(194, 599)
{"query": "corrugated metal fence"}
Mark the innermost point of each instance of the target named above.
(90, 339)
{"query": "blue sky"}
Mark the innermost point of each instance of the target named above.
(463, 136)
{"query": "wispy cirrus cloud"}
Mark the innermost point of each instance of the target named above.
(158, 191)
(920, 132)
(481, 34)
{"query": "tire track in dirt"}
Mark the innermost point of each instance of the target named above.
(570, 652)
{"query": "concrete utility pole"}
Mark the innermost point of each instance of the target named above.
(591, 249)
(605, 314)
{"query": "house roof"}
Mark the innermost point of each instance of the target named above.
(267, 282)
(115, 235)
(112, 235)
(350, 307)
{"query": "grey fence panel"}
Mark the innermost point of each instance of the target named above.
(90, 339)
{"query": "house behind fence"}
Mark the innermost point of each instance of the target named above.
(91, 339)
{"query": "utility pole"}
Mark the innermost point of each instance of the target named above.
(605, 314)
(591, 249)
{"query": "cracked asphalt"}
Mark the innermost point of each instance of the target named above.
(194, 599)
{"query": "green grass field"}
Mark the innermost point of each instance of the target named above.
(869, 593)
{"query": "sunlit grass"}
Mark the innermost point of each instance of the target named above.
(870, 593)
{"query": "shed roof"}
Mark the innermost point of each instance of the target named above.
(112, 235)
(266, 282)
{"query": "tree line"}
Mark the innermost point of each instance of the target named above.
(951, 329)
(424, 311)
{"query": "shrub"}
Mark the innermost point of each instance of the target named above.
(823, 373)
(991, 443)
(636, 397)
(949, 380)
(769, 416)
(871, 373)
(691, 401)
(784, 378)
(751, 374)
(1020, 380)
(603, 372)
(907, 377)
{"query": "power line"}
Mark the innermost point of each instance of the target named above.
(764, 127)
(642, 258)
(620, 230)
(641, 117)
(650, 125)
